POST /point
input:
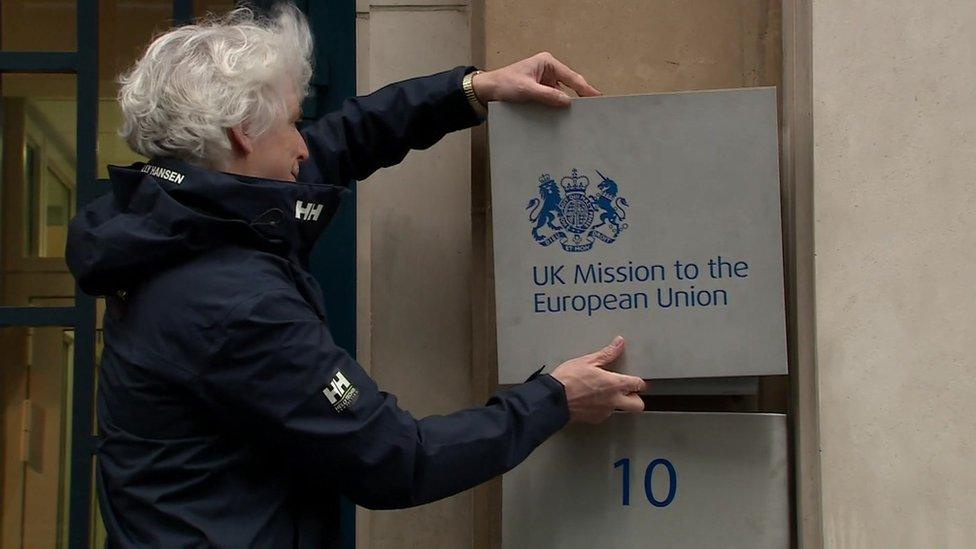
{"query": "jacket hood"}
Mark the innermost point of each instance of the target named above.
(165, 212)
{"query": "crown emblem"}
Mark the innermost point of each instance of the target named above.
(575, 183)
(546, 178)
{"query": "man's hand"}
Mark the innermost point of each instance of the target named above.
(535, 79)
(594, 393)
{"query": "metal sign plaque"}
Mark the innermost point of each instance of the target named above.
(657, 479)
(656, 217)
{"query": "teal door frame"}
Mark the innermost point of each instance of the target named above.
(333, 261)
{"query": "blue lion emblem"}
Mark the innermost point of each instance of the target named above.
(545, 209)
(576, 219)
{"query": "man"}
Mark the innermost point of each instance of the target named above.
(229, 417)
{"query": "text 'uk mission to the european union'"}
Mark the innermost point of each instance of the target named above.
(675, 285)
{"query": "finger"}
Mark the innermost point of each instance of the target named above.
(628, 403)
(573, 79)
(610, 353)
(547, 95)
(629, 384)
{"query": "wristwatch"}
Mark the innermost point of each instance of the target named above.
(476, 104)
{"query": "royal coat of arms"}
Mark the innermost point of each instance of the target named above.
(573, 218)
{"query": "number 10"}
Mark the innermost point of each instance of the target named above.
(648, 476)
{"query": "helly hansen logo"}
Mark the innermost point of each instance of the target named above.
(309, 211)
(340, 392)
(163, 173)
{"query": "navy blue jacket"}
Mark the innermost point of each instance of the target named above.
(228, 415)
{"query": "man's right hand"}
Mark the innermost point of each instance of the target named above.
(592, 392)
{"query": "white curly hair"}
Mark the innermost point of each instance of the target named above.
(196, 81)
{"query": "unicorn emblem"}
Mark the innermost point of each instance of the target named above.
(610, 206)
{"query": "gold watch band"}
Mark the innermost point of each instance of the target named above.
(468, 86)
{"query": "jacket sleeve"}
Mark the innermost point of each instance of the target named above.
(280, 377)
(378, 130)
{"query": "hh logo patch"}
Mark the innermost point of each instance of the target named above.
(340, 392)
(307, 211)
(573, 218)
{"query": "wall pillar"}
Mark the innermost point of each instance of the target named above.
(414, 223)
(894, 132)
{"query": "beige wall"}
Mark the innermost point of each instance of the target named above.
(893, 129)
(894, 105)
(634, 46)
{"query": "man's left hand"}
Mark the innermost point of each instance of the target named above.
(535, 79)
